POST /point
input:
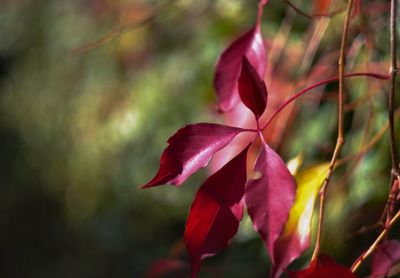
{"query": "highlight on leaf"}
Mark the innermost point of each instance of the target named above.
(295, 163)
(295, 238)
(269, 198)
(216, 211)
(190, 149)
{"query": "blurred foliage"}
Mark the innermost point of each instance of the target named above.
(80, 132)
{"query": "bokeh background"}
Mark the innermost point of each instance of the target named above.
(90, 90)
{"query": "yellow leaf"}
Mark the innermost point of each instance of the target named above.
(295, 238)
(295, 163)
(309, 182)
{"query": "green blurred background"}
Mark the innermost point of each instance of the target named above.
(80, 132)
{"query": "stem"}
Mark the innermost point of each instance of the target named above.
(299, 11)
(391, 99)
(119, 30)
(370, 144)
(394, 175)
(320, 83)
(290, 4)
(340, 137)
(365, 229)
(260, 10)
(391, 201)
(373, 247)
(250, 130)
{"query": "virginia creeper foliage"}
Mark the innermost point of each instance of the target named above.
(189, 150)
(269, 198)
(280, 205)
(251, 46)
(216, 211)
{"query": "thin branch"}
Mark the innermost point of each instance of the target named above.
(392, 198)
(365, 229)
(393, 150)
(320, 83)
(391, 99)
(394, 175)
(119, 30)
(299, 11)
(351, 170)
(361, 100)
(373, 247)
(370, 144)
(340, 137)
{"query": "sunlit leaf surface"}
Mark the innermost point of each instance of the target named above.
(295, 238)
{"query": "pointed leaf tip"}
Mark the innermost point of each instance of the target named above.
(189, 150)
(269, 198)
(251, 45)
(216, 211)
(252, 89)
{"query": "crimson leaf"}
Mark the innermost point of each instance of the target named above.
(227, 72)
(269, 198)
(387, 255)
(216, 211)
(252, 90)
(189, 150)
(323, 266)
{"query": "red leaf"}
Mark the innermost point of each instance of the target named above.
(162, 267)
(216, 211)
(324, 266)
(269, 198)
(189, 150)
(227, 72)
(387, 255)
(252, 89)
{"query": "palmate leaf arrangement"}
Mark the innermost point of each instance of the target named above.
(280, 209)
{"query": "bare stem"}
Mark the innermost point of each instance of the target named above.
(391, 99)
(119, 30)
(391, 201)
(374, 245)
(394, 175)
(320, 83)
(340, 137)
(382, 131)
(311, 16)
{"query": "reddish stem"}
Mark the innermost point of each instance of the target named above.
(311, 16)
(336, 78)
